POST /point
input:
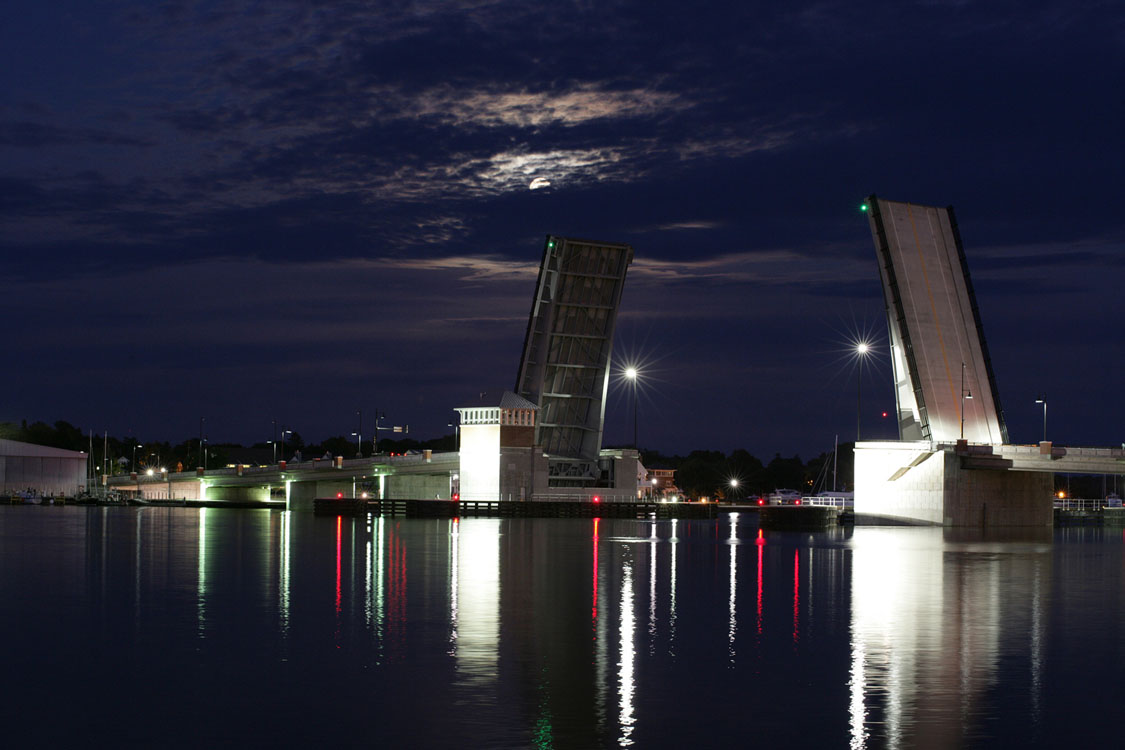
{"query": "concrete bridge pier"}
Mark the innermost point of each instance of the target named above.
(917, 482)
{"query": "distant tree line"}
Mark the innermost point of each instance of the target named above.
(709, 473)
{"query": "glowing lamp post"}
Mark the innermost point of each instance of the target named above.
(631, 374)
(1043, 400)
(861, 351)
(733, 488)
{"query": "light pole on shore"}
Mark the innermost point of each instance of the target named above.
(631, 373)
(861, 350)
(1043, 400)
(964, 396)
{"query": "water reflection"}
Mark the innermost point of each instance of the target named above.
(732, 623)
(929, 611)
(476, 648)
(583, 632)
(625, 663)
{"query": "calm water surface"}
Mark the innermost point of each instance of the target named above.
(182, 627)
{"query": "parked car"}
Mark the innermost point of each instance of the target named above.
(785, 497)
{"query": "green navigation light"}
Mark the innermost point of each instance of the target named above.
(550, 244)
(863, 207)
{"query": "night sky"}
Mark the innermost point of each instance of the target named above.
(289, 211)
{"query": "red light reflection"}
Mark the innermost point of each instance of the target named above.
(761, 542)
(796, 591)
(339, 558)
(594, 610)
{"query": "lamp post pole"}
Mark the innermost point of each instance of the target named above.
(1043, 400)
(861, 350)
(631, 373)
(133, 466)
(964, 395)
(202, 458)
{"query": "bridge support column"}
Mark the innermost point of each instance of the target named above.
(914, 482)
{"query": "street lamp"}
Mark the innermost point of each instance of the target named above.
(964, 396)
(134, 464)
(284, 432)
(861, 350)
(631, 374)
(1043, 400)
(359, 435)
(733, 487)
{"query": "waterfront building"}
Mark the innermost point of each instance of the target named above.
(41, 470)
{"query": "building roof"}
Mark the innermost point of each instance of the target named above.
(17, 448)
(508, 400)
(513, 401)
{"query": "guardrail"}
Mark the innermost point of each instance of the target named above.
(829, 501)
(1078, 503)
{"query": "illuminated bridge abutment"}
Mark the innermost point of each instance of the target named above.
(947, 485)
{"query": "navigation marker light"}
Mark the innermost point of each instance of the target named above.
(863, 207)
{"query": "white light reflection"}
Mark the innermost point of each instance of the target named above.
(857, 711)
(376, 581)
(454, 568)
(283, 574)
(732, 625)
(625, 684)
(928, 612)
(672, 596)
(478, 603)
(652, 590)
(201, 577)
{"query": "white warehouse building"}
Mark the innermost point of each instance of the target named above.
(40, 469)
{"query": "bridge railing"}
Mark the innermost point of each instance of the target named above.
(829, 501)
(1079, 503)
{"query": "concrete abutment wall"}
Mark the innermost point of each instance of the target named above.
(913, 482)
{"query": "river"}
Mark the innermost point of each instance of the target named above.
(177, 627)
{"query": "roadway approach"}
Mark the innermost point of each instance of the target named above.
(425, 476)
(953, 464)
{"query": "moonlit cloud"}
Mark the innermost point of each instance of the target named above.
(527, 109)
